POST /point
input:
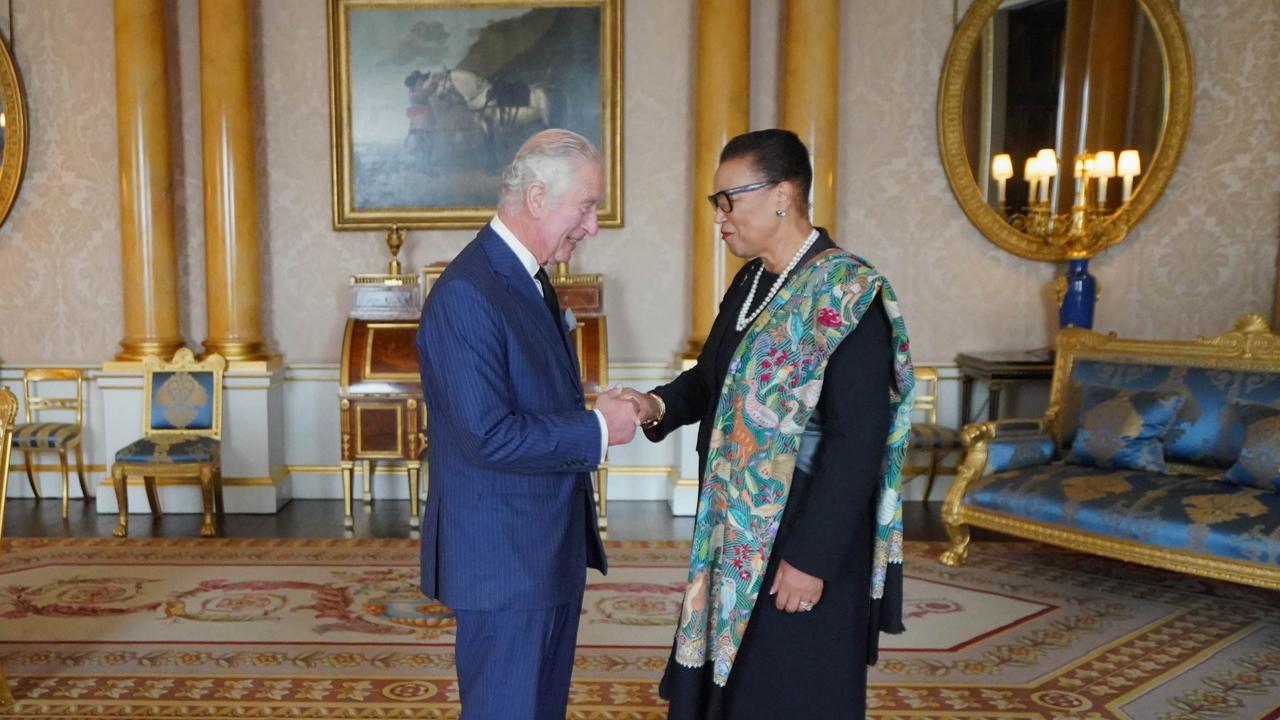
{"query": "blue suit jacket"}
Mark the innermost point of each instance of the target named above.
(509, 520)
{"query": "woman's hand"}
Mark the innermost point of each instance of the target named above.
(646, 405)
(795, 591)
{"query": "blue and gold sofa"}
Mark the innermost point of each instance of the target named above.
(1163, 453)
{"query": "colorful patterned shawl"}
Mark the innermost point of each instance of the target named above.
(773, 385)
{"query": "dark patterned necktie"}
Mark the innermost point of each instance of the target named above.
(549, 296)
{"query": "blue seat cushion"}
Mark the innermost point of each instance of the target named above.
(934, 437)
(34, 436)
(1179, 512)
(170, 450)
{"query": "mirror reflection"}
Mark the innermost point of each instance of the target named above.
(1064, 103)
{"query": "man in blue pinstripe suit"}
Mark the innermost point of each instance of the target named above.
(509, 527)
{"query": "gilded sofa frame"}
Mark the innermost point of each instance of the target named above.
(1250, 346)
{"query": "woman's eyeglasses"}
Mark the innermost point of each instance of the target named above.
(723, 200)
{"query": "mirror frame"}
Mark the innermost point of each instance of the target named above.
(13, 160)
(955, 161)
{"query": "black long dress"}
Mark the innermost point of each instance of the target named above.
(808, 664)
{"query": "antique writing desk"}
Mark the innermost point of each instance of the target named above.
(380, 400)
(584, 295)
(383, 417)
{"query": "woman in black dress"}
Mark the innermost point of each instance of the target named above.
(812, 623)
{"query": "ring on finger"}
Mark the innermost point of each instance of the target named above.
(805, 606)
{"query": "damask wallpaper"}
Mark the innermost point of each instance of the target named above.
(1205, 254)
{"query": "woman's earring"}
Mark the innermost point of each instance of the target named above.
(780, 213)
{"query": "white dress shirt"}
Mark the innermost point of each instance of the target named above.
(530, 264)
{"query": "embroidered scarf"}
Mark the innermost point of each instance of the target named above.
(772, 387)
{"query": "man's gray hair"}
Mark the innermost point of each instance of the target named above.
(549, 157)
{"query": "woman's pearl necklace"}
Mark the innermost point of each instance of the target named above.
(743, 319)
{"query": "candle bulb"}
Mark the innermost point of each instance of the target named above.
(1130, 165)
(1047, 162)
(1104, 168)
(1079, 174)
(1031, 173)
(1001, 170)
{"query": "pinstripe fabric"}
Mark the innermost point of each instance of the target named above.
(528, 652)
(45, 435)
(509, 443)
(509, 526)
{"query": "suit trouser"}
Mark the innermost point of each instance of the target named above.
(516, 664)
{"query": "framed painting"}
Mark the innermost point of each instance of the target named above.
(430, 99)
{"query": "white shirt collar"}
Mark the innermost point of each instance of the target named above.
(526, 257)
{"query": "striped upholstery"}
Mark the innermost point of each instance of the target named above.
(48, 435)
(934, 437)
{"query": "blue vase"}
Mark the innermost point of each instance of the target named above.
(1077, 302)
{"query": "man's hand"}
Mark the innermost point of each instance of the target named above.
(646, 405)
(792, 588)
(619, 415)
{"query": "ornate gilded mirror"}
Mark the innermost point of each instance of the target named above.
(13, 131)
(1060, 122)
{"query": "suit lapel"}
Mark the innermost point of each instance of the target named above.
(528, 301)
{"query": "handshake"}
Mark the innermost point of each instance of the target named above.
(624, 409)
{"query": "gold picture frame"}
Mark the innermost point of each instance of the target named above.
(955, 104)
(429, 99)
(13, 131)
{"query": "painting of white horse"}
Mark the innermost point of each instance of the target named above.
(434, 98)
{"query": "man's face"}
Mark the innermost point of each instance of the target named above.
(572, 216)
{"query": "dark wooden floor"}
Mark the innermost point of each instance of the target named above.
(628, 520)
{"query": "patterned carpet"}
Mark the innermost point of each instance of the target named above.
(98, 628)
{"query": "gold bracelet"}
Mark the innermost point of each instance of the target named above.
(662, 412)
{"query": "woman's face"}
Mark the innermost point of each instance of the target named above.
(750, 228)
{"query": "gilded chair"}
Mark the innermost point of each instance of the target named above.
(181, 434)
(33, 437)
(928, 436)
(8, 414)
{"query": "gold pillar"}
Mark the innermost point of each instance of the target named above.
(149, 264)
(809, 89)
(721, 108)
(232, 267)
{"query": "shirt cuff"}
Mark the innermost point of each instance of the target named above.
(604, 434)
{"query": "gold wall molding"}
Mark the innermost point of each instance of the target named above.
(136, 481)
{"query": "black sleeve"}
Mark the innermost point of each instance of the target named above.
(686, 398)
(694, 390)
(836, 509)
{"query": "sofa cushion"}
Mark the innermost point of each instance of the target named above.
(1259, 442)
(1123, 428)
(1198, 434)
(1178, 512)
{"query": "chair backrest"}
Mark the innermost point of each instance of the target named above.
(32, 402)
(182, 396)
(8, 416)
(927, 393)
